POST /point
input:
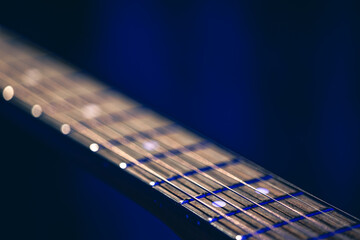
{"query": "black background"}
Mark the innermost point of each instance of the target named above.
(277, 82)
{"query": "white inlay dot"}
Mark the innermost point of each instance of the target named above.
(32, 76)
(94, 147)
(238, 237)
(150, 145)
(91, 111)
(218, 203)
(8, 93)
(152, 183)
(261, 190)
(65, 129)
(122, 165)
(36, 110)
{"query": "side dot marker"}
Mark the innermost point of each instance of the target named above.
(94, 147)
(8, 93)
(122, 165)
(65, 129)
(36, 110)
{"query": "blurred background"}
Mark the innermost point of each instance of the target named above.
(278, 82)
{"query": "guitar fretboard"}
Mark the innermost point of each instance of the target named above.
(233, 194)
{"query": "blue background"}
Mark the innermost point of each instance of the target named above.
(278, 82)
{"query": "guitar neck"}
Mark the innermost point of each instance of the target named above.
(230, 193)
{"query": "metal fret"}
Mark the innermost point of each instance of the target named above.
(231, 193)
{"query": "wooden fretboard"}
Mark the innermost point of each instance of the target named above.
(232, 194)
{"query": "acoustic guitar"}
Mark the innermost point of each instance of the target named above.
(198, 188)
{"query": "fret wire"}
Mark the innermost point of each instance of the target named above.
(83, 130)
(221, 184)
(211, 178)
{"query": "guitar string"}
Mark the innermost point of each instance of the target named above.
(215, 194)
(294, 197)
(208, 206)
(174, 170)
(321, 200)
(95, 137)
(222, 183)
(199, 185)
(203, 204)
(229, 188)
(268, 183)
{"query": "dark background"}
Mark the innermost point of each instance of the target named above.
(278, 82)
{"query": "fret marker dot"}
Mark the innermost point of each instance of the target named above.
(150, 145)
(65, 129)
(94, 147)
(219, 203)
(36, 110)
(8, 93)
(238, 237)
(262, 190)
(91, 111)
(122, 165)
(31, 77)
(152, 183)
